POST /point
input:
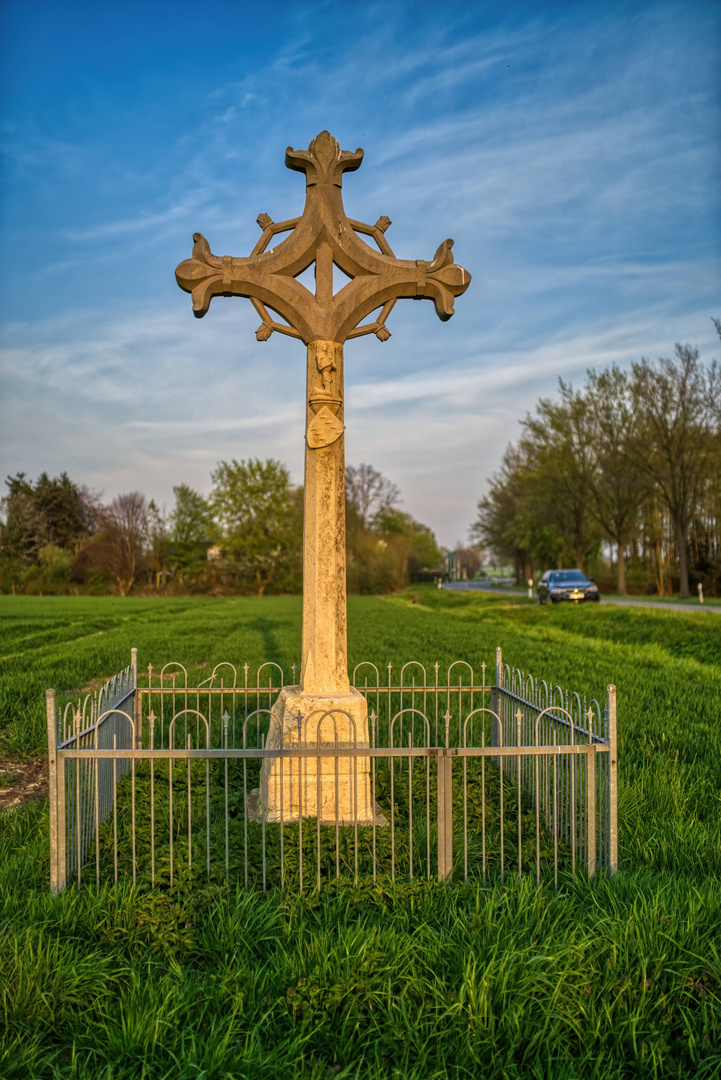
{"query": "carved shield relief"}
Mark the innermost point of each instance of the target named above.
(324, 429)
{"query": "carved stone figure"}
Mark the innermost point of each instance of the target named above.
(327, 367)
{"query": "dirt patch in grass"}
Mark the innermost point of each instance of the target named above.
(20, 782)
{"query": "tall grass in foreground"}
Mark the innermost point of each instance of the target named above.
(611, 978)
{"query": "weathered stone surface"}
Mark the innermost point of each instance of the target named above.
(312, 787)
(322, 237)
(324, 662)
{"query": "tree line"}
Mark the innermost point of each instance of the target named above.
(621, 478)
(245, 536)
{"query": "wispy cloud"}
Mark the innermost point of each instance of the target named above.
(137, 398)
(568, 150)
(136, 223)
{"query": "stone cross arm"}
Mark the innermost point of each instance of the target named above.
(323, 236)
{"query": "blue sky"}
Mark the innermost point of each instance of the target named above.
(572, 151)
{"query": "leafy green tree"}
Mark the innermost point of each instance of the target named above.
(52, 511)
(386, 547)
(191, 531)
(260, 516)
(513, 519)
(559, 444)
(419, 540)
(633, 458)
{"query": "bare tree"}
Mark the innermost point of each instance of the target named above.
(678, 400)
(369, 492)
(127, 521)
(559, 442)
(611, 474)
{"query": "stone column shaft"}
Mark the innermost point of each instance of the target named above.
(324, 645)
(323, 711)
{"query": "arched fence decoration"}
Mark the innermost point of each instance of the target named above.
(154, 779)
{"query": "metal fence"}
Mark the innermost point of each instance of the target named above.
(458, 775)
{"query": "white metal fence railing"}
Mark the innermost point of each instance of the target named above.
(459, 775)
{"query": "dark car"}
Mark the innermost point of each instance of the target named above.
(571, 585)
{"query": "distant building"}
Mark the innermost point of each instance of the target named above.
(464, 564)
(453, 566)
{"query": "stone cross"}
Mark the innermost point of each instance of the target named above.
(323, 236)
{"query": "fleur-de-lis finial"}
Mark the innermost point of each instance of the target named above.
(323, 162)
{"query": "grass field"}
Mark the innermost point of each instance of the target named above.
(610, 978)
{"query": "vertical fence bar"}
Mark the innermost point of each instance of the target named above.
(78, 805)
(171, 764)
(137, 709)
(97, 824)
(591, 810)
(497, 720)
(612, 779)
(483, 801)
(410, 807)
(115, 811)
(336, 779)
(519, 767)
(262, 808)
(190, 803)
(226, 718)
(445, 814)
(245, 791)
(57, 807)
(207, 800)
(318, 798)
(355, 808)
(132, 782)
(299, 720)
(282, 805)
(538, 824)
(151, 742)
(373, 790)
(465, 811)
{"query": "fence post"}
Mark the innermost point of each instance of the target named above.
(591, 809)
(445, 814)
(612, 780)
(56, 799)
(496, 704)
(137, 708)
(445, 809)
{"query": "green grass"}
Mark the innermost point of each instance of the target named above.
(611, 978)
(710, 601)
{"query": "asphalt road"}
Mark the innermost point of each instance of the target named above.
(485, 586)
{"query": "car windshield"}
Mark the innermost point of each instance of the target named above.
(568, 577)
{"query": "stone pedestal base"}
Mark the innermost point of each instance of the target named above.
(330, 788)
